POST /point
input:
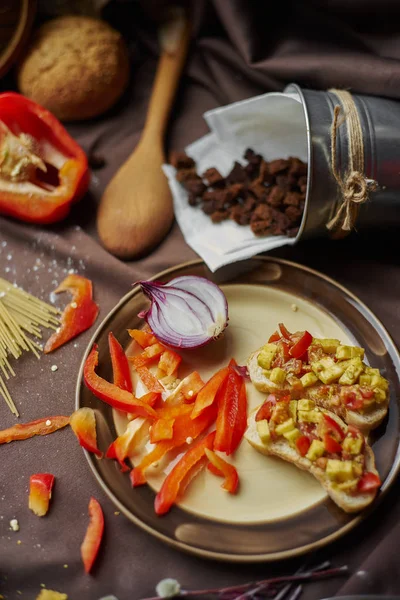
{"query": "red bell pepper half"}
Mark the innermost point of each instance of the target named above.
(232, 413)
(43, 170)
(113, 395)
(78, 315)
(40, 488)
(184, 428)
(23, 431)
(94, 534)
(176, 481)
(225, 470)
(208, 393)
(120, 365)
(83, 424)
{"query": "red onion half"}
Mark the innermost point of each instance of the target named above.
(186, 312)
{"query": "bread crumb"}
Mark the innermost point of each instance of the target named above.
(116, 512)
(54, 367)
(14, 525)
(294, 307)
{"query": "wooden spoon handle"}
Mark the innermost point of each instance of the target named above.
(174, 39)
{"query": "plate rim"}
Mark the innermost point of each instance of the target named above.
(223, 556)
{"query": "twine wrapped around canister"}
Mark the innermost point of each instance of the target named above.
(354, 186)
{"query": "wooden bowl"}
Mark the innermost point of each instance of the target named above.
(16, 18)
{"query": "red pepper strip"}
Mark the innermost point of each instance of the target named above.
(206, 396)
(285, 333)
(228, 397)
(169, 362)
(40, 486)
(331, 445)
(120, 364)
(23, 431)
(148, 356)
(122, 447)
(184, 427)
(149, 380)
(187, 390)
(83, 424)
(241, 419)
(171, 488)
(52, 169)
(332, 427)
(231, 481)
(300, 347)
(369, 482)
(143, 338)
(172, 411)
(78, 315)
(214, 470)
(162, 429)
(303, 444)
(93, 536)
(275, 337)
(113, 395)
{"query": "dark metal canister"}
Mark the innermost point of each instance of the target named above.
(380, 123)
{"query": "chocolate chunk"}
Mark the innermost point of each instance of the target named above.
(237, 190)
(180, 160)
(260, 227)
(293, 213)
(208, 208)
(237, 174)
(258, 189)
(297, 167)
(264, 173)
(213, 177)
(195, 187)
(278, 166)
(240, 215)
(292, 199)
(302, 183)
(219, 215)
(282, 181)
(186, 174)
(276, 195)
(262, 212)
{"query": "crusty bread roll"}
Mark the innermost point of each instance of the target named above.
(76, 67)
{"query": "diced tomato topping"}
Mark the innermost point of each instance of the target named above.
(331, 445)
(302, 444)
(353, 431)
(366, 393)
(294, 366)
(351, 401)
(284, 332)
(302, 345)
(332, 427)
(265, 411)
(369, 482)
(275, 337)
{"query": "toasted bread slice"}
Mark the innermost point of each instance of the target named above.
(348, 502)
(363, 421)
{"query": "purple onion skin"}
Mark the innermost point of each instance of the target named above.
(148, 287)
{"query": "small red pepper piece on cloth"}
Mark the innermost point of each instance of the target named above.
(83, 424)
(94, 534)
(40, 488)
(43, 170)
(120, 366)
(113, 395)
(369, 482)
(301, 346)
(175, 481)
(23, 431)
(184, 428)
(227, 471)
(78, 315)
(206, 396)
(232, 413)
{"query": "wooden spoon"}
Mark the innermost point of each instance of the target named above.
(136, 210)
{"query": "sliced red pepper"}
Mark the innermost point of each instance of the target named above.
(23, 431)
(93, 536)
(171, 411)
(369, 482)
(78, 315)
(333, 428)
(184, 428)
(301, 346)
(149, 355)
(230, 413)
(275, 337)
(120, 365)
(303, 444)
(187, 390)
(43, 169)
(241, 419)
(122, 447)
(113, 395)
(172, 486)
(214, 470)
(331, 445)
(284, 332)
(169, 362)
(162, 429)
(149, 380)
(228, 471)
(206, 396)
(40, 488)
(83, 424)
(143, 338)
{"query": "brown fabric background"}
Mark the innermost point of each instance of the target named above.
(241, 48)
